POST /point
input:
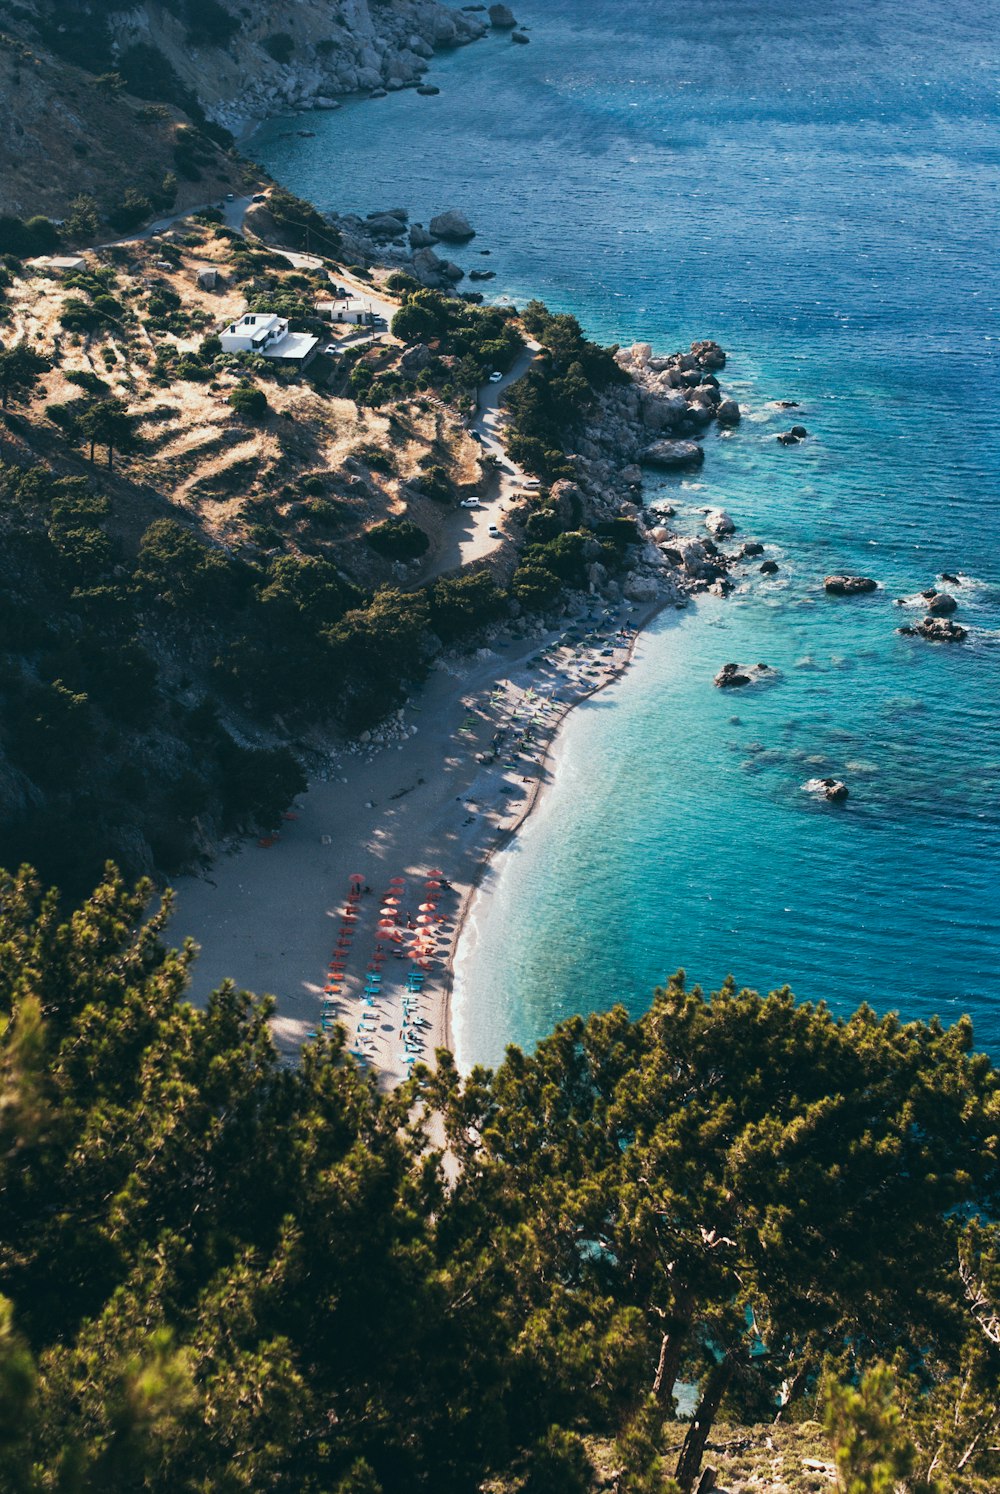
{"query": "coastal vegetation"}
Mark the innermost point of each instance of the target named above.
(217, 1271)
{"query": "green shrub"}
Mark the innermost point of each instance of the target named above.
(249, 401)
(398, 539)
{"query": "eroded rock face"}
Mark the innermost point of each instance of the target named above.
(670, 454)
(452, 226)
(849, 586)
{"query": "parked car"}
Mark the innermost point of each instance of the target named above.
(230, 196)
(259, 197)
(494, 531)
(495, 376)
(471, 503)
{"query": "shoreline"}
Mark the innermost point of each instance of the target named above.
(266, 915)
(534, 799)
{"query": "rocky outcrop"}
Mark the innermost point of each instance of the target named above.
(733, 676)
(673, 454)
(769, 568)
(327, 50)
(794, 436)
(940, 603)
(502, 17)
(849, 586)
(936, 630)
(452, 226)
(834, 790)
(728, 412)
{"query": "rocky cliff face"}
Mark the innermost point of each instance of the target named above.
(297, 53)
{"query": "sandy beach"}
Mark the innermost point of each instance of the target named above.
(352, 913)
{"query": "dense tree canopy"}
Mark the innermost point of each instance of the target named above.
(218, 1271)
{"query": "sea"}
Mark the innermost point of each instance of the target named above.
(816, 187)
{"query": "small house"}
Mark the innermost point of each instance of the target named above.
(349, 310)
(265, 333)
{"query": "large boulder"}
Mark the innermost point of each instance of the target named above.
(640, 588)
(659, 413)
(419, 237)
(453, 226)
(718, 523)
(671, 454)
(939, 603)
(728, 412)
(849, 586)
(427, 267)
(502, 17)
(520, 38)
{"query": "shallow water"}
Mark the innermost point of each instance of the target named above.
(819, 192)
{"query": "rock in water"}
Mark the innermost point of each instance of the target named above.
(769, 568)
(939, 603)
(718, 523)
(428, 90)
(849, 586)
(453, 226)
(832, 789)
(502, 17)
(419, 237)
(730, 677)
(674, 454)
(519, 36)
(728, 412)
(936, 630)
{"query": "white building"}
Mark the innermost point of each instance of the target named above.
(263, 332)
(350, 309)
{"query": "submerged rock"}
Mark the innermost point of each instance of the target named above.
(849, 586)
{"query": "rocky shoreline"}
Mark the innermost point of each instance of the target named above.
(301, 54)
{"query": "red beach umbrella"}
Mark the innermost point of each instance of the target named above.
(356, 877)
(397, 881)
(435, 871)
(428, 907)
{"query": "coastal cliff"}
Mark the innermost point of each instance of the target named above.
(101, 99)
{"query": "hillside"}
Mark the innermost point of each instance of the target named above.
(102, 98)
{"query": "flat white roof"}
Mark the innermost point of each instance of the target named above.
(295, 345)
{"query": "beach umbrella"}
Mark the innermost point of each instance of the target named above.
(390, 902)
(356, 877)
(427, 907)
(397, 881)
(435, 871)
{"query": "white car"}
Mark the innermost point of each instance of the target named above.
(471, 503)
(494, 531)
(495, 376)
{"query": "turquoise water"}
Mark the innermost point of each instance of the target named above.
(819, 191)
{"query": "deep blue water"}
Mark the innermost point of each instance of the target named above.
(817, 187)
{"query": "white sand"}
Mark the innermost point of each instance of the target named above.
(271, 918)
